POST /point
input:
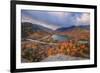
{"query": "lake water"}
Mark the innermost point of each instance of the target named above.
(58, 37)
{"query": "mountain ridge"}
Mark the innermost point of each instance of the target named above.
(87, 27)
(36, 27)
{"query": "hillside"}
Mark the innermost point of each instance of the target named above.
(34, 31)
(77, 33)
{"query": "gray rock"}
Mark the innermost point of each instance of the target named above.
(60, 57)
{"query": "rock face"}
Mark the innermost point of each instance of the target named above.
(60, 57)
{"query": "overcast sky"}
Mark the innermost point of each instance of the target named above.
(54, 20)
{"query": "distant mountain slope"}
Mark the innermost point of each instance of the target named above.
(87, 27)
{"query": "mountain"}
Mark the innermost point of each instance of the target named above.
(87, 27)
(29, 27)
(26, 28)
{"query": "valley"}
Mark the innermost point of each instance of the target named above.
(39, 43)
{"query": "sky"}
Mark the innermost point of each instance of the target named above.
(54, 20)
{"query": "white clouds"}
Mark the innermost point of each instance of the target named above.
(54, 20)
(59, 14)
(72, 18)
(84, 19)
(26, 18)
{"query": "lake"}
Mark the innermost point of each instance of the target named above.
(59, 37)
